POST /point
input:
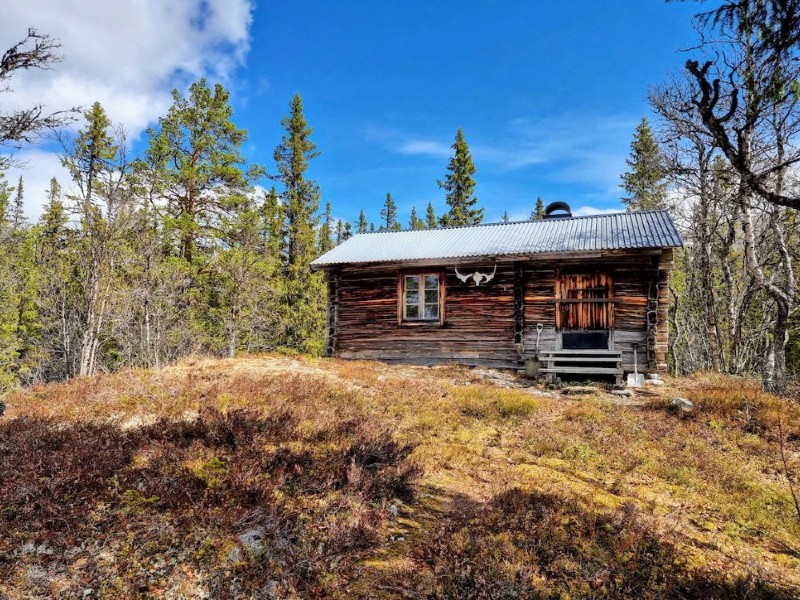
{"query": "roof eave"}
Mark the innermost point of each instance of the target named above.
(460, 260)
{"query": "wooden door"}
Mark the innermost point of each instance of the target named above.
(584, 302)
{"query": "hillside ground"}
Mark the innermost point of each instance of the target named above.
(276, 476)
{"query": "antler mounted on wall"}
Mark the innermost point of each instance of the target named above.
(477, 276)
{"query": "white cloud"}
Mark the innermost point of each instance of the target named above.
(425, 147)
(586, 148)
(126, 55)
(585, 211)
(36, 167)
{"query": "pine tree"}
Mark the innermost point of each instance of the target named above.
(303, 299)
(372, 227)
(362, 223)
(430, 217)
(326, 231)
(460, 186)
(197, 153)
(415, 222)
(645, 182)
(389, 215)
(348, 231)
(538, 212)
(505, 217)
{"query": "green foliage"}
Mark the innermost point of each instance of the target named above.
(302, 303)
(538, 211)
(415, 222)
(459, 186)
(646, 182)
(362, 223)
(196, 156)
(389, 215)
(326, 231)
(430, 217)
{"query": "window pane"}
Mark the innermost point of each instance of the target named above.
(431, 311)
(431, 282)
(412, 283)
(432, 296)
(412, 297)
(412, 311)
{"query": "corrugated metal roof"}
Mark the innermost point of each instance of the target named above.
(629, 230)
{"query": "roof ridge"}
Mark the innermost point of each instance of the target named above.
(497, 223)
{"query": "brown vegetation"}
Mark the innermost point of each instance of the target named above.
(283, 477)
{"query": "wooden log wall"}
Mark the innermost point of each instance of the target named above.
(483, 325)
(334, 284)
(478, 323)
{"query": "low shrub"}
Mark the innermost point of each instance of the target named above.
(543, 546)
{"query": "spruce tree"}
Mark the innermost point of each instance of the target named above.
(303, 306)
(389, 215)
(348, 231)
(95, 163)
(326, 231)
(18, 211)
(339, 232)
(300, 196)
(430, 217)
(459, 186)
(272, 216)
(505, 218)
(415, 222)
(538, 212)
(645, 182)
(9, 350)
(362, 223)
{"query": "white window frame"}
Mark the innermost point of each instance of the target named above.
(420, 277)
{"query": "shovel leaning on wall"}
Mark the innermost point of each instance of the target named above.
(635, 379)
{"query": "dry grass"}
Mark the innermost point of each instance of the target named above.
(365, 480)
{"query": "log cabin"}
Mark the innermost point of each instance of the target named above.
(563, 296)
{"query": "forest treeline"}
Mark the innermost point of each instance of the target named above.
(188, 248)
(723, 156)
(137, 261)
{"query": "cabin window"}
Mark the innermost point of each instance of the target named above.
(421, 297)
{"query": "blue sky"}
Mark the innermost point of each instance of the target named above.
(548, 93)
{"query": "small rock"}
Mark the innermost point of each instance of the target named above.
(654, 382)
(682, 404)
(253, 540)
(653, 377)
(622, 393)
(88, 592)
(393, 510)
